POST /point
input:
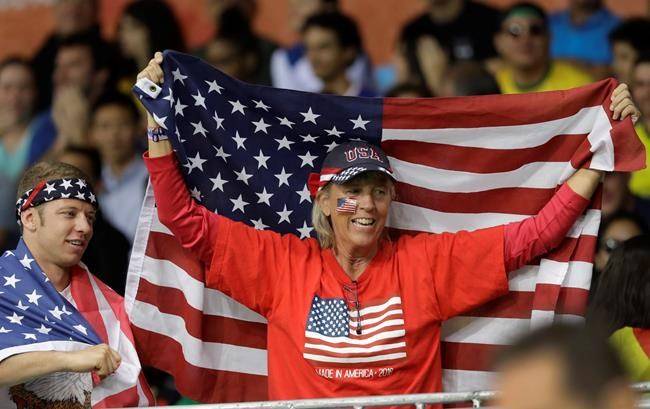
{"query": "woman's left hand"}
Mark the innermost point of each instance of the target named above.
(622, 104)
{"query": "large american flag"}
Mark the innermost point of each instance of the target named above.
(461, 163)
(34, 316)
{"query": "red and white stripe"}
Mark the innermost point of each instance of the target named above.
(104, 310)
(461, 164)
(382, 337)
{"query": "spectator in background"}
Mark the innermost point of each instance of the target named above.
(622, 305)
(22, 140)
(236, 50)
(290, 67)
(523, 43)
(580, 33)
(628, 40)
(114, 130)
(71, 18)
(333, 44)
(615, 230)
(236, 16)
(81, 74)
(463, 28)
(468, 78)
(562, 367)
(107, 254)
(640, 180)
(146, 26)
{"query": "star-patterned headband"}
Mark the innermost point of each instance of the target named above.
(46, 191)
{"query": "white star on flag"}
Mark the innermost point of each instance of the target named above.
(29, 336)
(239, 141)
(195, 163)
(198, 128)
(11, 280)
(284, 121)
(217, 183)
(178, 76)
(238, 204)
(264, 197)
(334, 132)
(305, 231)
(81, 329)
(261, 160)
(307, 159)
(199, 100)
(33, 297)
(196, 194)
(179, 108)
(261, 105)
(309, 116)
(27, 262)
(214, 86)
(258, 225)
(359, 123)
(284, 143)
(305, 194)
(237, 107)
(218, 120)
(81, 183)
(221, 154)
(15, 318)
(284, 214)
(260, 126)
(243, 176)
(283, 177)
(43, 330)
(160, 121)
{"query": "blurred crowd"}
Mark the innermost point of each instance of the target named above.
(71, 101)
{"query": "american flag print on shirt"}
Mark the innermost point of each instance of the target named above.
(337, 334)
(460, 163)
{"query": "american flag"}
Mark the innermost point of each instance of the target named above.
(340, 335)
(346, 205)
(34, 316)
(461, 163)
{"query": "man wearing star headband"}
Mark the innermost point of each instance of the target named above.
(65, 335)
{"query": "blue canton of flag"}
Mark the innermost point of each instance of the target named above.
(32, 311)
(247, 151)
(329, 317)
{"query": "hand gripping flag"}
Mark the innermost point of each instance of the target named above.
(461, 163)
(34, 316)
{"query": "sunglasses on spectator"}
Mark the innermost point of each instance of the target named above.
(517, 30)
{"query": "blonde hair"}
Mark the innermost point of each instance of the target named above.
(322, 223)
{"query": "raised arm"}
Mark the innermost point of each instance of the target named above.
(194, 226)
(537, 235)
(24, 367)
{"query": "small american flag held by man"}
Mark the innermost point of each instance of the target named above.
(346, 205)
(339, 335)
(460, 163)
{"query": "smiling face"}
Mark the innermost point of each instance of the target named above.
(58, 232)
(359, 233)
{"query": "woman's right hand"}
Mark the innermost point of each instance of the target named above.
(153, 71)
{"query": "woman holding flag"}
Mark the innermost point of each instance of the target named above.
(355, 312)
